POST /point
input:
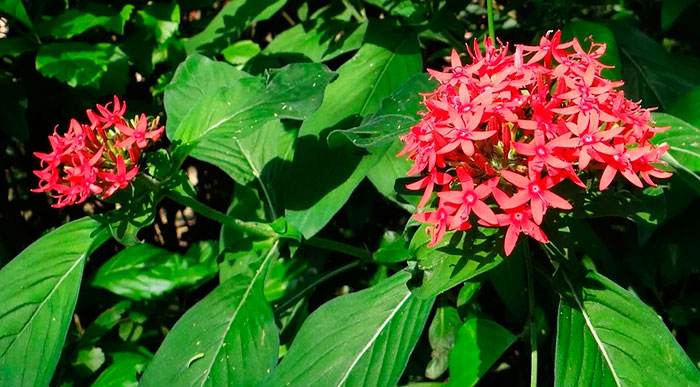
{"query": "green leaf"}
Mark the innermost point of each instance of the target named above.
(388, 58)
(228, 338)
(293, 92)
(671, 10)
(82, 64)
(316, 39)
(76, 21)
(582, 30)
(392, 248)
(508, 279)
(460, 256)
(651, 73)
(125, 368)
(144, 272)
(683, 139)
(441, 335)
(578, 360)
(16, 9)
(107, 320)
(360, 339)
(629, 336)
(195, 78)
(229, 23)
(478, 346)
(39, 293)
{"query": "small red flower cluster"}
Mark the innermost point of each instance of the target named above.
(99, 158)
(513, 126)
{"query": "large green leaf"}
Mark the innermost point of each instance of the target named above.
(479, 344)
(293, 92)
(687, 107)
(633, 341)
(458, 257)
(144, 271)
(195, 78)
(82, 64)
(16, 9)
(39, 291)
(361, 339)
(578, 359)
(228, 338)
(650, 72)
(683, 139)
(76, 21)
(230, 22)
(386, 60)
(316, 39)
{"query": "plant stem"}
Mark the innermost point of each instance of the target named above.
(340, 247)
(531, 315)
(250, 228)
(489, 13)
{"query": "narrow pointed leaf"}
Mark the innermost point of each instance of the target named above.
(361, 339)
(39, 292)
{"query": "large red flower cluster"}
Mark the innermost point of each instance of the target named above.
(99, 158)
(513, 126)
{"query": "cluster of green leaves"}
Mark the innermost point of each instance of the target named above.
(306, 125)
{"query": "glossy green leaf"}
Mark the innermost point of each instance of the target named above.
(632, 341)
(582, 30)
(228, 338)
(578, 360)
(195, 78)
(293, 92)
(39, 293)
(82, 64)
(125, 369)
(458, 257)
(144, 271)
(240, 52)
(478, 346)
(441, 334)
(651, 73)
(76, 21)
(360, 339)
(229, 23)
(316, 39)
(683, 139)
(386, 60)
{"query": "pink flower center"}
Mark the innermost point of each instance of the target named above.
(541, 151)
(469, 198)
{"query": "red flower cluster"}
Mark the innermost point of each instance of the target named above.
(98, 158)
(513, 126)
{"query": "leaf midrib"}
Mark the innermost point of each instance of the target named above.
(594, 333)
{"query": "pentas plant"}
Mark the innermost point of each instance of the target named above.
(498, 136)
(98, 158)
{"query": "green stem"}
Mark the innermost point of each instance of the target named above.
(531, 316)
(250, 228)
(328, 244)
(489, 12)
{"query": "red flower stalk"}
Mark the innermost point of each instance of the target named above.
(95, 159)
(519, 124)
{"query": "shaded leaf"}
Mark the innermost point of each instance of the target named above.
(76, 21)
(82, 64)
(441, 334)
(144, 271)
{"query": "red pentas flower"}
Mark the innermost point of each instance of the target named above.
(97, 158)
(498, 135)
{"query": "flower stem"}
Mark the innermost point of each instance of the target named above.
(489, 13)
(250, 228)
(531, 315)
